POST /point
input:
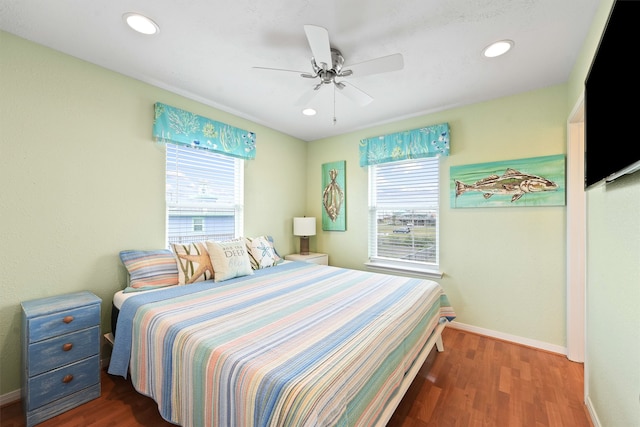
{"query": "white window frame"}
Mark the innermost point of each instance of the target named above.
(399, 206)
(195, 188)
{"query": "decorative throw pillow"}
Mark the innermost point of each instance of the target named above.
(279, 259)
(194, 264)
(261, 252)
(149, 269)
(229, 258)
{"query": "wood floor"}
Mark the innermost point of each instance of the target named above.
(476, 381)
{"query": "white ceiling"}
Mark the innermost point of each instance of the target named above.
(206, 50)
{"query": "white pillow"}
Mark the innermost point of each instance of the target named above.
(261, 252)
(229, 259)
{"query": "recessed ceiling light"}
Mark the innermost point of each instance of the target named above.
(498, 48)
(141, 23)
(309, 112)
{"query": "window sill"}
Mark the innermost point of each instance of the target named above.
(393, 269)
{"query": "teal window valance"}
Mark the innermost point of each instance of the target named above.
(430, 141)
(181, 127)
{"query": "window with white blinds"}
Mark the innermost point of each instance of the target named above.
(403, 214)
(204, 195)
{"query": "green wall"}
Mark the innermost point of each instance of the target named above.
(612, 356)
(498, 263)
(82, 180)
(613, 301)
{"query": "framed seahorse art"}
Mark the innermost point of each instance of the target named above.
(334, 196)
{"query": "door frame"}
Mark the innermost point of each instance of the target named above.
(576, 235)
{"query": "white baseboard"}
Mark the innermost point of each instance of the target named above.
(10, 397)
(592, 412)
(511, 338)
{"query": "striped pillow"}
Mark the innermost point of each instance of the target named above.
(150, 269)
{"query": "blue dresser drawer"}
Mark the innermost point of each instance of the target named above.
(63, 381)
(60, 340)
(63, 322)
(62, 350)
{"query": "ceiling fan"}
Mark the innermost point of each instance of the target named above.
(327, 64)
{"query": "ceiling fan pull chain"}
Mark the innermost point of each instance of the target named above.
(334, 105)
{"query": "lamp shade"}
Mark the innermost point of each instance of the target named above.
(305, 226)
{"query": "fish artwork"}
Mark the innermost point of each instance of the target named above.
(332, 197)
(512, 182)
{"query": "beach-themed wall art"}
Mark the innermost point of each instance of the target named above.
(535, 181)
(334, 196)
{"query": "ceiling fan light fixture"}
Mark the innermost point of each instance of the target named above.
(327, 63)
(498, 48)
(141, 23)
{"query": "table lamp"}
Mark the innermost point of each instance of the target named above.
(304, 227)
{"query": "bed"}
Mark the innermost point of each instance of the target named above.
(291, 345)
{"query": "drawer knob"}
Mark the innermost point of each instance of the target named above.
(68, 346)
(67, 379)
(67, 319)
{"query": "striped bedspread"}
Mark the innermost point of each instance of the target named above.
(295, 345)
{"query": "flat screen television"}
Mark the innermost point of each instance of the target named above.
(612, 97)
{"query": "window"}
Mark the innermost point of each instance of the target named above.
(198, 224)
(204, 195)
(403, 215)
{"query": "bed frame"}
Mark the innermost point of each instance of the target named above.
(381, 415)
(392, 405)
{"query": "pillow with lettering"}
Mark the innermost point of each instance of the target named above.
(229, 259)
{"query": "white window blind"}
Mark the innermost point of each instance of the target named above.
(204, 195)
(403, 214)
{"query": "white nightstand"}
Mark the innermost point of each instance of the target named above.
(312, 257)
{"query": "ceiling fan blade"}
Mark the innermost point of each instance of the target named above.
(302, 73)
(354, 94)
(383, 64)
(306, 97)
(318, 38)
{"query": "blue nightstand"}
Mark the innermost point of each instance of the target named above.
(60, 354)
